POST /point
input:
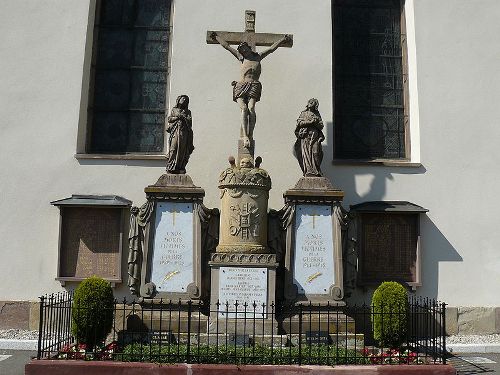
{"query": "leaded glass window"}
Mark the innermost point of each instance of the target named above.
(370, 77)
(129, 73)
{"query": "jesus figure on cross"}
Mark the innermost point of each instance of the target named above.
(246, 91)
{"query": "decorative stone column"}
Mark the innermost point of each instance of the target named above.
(244, 192)
(242, 268)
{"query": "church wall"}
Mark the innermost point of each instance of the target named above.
(453, 82)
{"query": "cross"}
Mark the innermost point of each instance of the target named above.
(249, 35)
(314, 214)
(173, 215)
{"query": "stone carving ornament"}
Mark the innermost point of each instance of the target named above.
(180, 141)
(245, 175)
(244, 191)
(309, 133)
(139, 218)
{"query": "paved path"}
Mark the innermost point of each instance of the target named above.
(12, 361)
(476, 363)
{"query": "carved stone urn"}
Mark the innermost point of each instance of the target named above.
(244, 191)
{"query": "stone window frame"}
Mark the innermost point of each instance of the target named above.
(93, 201)
(387, 208)
(84, 127)
(410, 97)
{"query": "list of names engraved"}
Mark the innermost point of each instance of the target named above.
(245, 285)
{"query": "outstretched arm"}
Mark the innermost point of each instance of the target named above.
(226, 45)
(275, 46)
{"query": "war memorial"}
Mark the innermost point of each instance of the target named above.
(245, 278)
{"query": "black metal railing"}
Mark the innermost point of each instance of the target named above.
(239, 333)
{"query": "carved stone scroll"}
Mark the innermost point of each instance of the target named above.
(139, 218)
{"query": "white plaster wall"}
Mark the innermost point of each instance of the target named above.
(455, 55)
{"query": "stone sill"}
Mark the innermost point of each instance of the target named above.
(121, 156)
(377, 162)
(63, 280)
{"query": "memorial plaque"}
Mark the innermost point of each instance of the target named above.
(388, 250)
(245, 285)
(172, 262)
(313, 265)
(318, 337)
(90, 243)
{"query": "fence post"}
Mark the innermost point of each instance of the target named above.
(188, 351)
(40, 326)
(443, 331)
(300, 334)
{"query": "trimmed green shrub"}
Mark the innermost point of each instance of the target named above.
(92, 312)
(326, 355)
(389, 314)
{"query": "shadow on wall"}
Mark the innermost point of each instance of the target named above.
(435, 247)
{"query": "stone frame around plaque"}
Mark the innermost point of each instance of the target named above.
(359, 213)
(174, 189)
(193, 289)
(93, 202)
(320, 197)
(238, 260)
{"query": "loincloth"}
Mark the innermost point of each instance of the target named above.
(247, 90)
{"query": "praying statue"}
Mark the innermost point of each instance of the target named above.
(180, 140)
(247, 91)
(309, 137)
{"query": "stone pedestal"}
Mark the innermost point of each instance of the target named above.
(166, 257)
(313, 261)
(243, 272)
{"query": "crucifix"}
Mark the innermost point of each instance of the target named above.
(247, 90)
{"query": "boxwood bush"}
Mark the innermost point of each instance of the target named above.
(389, 314)
(92, 311)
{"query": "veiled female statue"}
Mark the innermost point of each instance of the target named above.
(180, 141)
(309, 137)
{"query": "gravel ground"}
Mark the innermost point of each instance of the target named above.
(18, 334)
(474, 339)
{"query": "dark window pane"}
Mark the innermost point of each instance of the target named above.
(111, 89)
(109, 132)
(151, 49)
(369, 89)
(130, 74)
(116, 12)
(148, 90)
(153, 13)
(146, 132)
(115, 48)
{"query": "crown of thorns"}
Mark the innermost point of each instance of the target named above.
(243, 44)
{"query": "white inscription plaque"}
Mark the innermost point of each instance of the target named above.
(313, 268)
(245, 285)
(172, 264)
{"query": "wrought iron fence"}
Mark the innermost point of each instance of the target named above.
(196, 332)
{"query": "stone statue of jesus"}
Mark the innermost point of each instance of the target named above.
(246, 91)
